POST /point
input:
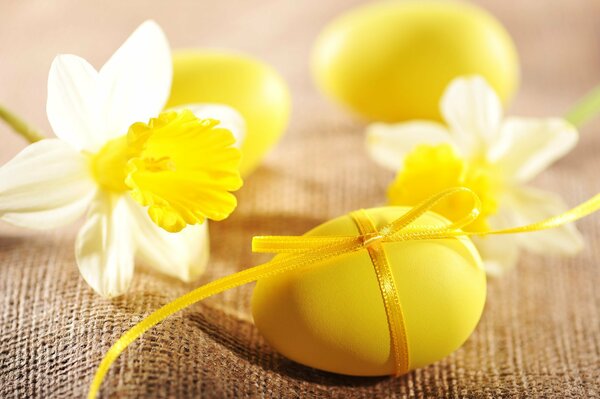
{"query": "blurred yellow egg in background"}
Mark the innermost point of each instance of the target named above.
(250, 86)
(390, 61)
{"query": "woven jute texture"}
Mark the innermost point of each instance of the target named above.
(540, 332)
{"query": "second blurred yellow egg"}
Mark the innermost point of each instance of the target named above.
(391, 60)
(253, 88)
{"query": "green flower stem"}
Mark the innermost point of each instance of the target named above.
(585, 109)
(19, 126)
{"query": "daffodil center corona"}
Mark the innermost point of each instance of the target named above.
(430, 169)
(180, 167)
(109, 165)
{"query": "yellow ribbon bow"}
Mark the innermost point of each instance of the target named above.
(299, 251)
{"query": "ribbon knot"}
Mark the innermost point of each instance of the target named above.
(370, 239)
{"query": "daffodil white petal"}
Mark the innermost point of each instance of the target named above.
(473, 113)
(135, 83)
(389, 143)
(45, 186)
(529, 205)
(528, 146)
(183, 255)
(228, 118)
(73, 102)
(104, 248)
(499, 253)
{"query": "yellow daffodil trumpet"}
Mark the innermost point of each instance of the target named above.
(180, 167)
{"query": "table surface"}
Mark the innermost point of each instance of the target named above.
(540, 332)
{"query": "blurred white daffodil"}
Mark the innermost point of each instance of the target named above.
(493, 157)
(147, 187)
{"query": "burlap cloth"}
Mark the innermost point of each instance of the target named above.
(539, 335)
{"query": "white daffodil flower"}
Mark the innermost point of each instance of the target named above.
(147, 178)
(494, 157)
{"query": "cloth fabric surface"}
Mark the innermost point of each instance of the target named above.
(540, 332)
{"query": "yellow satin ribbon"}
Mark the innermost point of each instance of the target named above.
(388, 289)
(299, 251)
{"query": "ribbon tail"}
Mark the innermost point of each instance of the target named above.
(576, 213)
(412, 234)
(169, 309)
(283, 264)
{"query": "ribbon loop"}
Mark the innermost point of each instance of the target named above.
(397, 227)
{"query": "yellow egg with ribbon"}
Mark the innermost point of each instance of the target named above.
(332, 316)
(249, 86)
(390, 61)
(377, 292)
